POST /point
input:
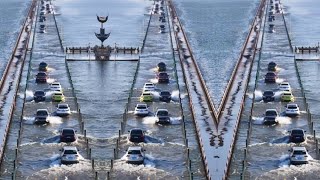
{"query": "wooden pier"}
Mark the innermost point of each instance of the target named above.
(302, 50)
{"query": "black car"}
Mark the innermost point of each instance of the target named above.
(163, 77)
(68, 135)
(136, 135)
(272, 66)
(43, 66)
(39, 96)
(268, 96)
(297, 135)
(161, 66)
(165, 96)
(270, 77)
(41, 77)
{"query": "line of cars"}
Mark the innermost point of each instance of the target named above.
(159, 9)
(46, 8)
(298, 154)
(135, 154)
(69, 154)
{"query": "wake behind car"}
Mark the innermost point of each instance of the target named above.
(270, 77)
(43, 66)
(163, 77)
(141, 110)
(68, 135)
(41, 77)
(292, 110)
(135, 155)
(69, 155)
(268, 96)
(165, 96)
(272, 66)
(136, 135)
(41, 117)
(39, 96)
(63, 110)
(298, 156)
(162, 116)
(161, 66)
(270, 117)
(297, 135)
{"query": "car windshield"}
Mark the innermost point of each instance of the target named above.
(162, 113)
(141, 107)
(297, 132)
(299, 153)
(68, 132)
(42, 113)
(136, 132)
(161, 65)
(163, 75)
(41, 74)
(292, 107)
(287, 94)
(63, 107)
(268, 93)
(69, 151)
(271, 113)
(165, 93)
(134, 152)
(39, 93)
(146, 94)
(270, 74)
(148, 85)
(58, 94)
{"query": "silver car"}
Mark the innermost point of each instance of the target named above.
(135, 155)
(41, 116)
(299, 155)
(69, 155)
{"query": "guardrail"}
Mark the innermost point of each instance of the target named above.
(145, 35)
(56, 24)
(5, 75)
(287, 31)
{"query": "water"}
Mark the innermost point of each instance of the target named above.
(216, 31)
(11, 17)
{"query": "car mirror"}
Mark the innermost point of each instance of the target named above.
(289, 150)
(305, 131)
(144, 150)
(75, 131)
(128, 131)
(60, 149)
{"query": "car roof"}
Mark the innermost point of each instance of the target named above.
(42, 110)
(162, 110)
(149, 84)
(292, 105)
(135, 148)
(141, 105)
(296, 148)
(164, 92)
(67, 129)
(70, 148)
(39, 91)
(136, 129)
(271, 110)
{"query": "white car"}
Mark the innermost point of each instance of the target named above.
(141, 110)
(292, 110)
(148, 87)
(135, 155)
(69, 155)
(299, 155)
(63, 110)
(285, 86)
(56, 86)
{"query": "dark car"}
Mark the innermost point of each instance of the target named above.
(271, 116)
(297, 135)
(272, 66)
(268, 96)
(165, 96)
(43, 66)
(41, 77)
(136, 135)
(68, 135)
(270, 77)
(162, 116)
(39, 96)
(161, 66)
(42, 117)
(163, 77)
